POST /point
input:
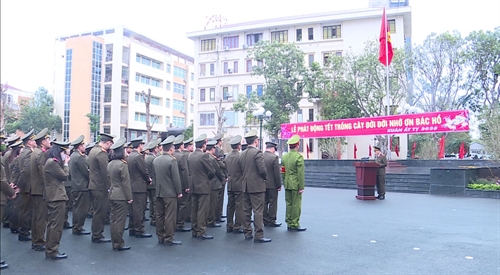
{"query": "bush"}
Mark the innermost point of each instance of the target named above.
(485, 184)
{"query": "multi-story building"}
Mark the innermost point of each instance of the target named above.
(11, 100)
(105, 73)
(223, 70)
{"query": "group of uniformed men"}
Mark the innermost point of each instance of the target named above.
(184, 180)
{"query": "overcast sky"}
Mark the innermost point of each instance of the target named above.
(29, 27)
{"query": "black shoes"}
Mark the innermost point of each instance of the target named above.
(220, 220)
(152, 223)
(67, 226)
(3, 265)
(6, 225)
(24, 238)
(143, 235)
(273, 224)
(223, 217)
(248, 238)
(173, 243)
(182, 229)
(204, 237)
(213, 225)
(38, 247)
(125, 247)
(229, 230)
(102, 240)
(81, 232)
(381, 197)
(14, 231)
(145, 219)
(59, 256)
(296, 229)
(131, 232)
(238, 231)
(263, 240)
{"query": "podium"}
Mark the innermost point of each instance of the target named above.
(366, 179)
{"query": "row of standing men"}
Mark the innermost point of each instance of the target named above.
(195, 179)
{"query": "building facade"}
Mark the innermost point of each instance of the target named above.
(11, 101)
(105, 73)
(223, 70)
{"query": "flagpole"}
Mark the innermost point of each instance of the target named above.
(387, 83)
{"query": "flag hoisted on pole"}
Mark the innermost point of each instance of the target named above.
(385, 57)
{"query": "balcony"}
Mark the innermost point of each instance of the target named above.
(106, 120)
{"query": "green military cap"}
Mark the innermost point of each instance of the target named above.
(201, 138)
(169, 140)
(42, 135)
(235, 140)
(188, 142)
(12, 139)
(271, 144)
(211, 144)
(376, 148)
(90, 146)
(78, 141)
(106, 137)
(218, 136)
(244, 147)
(17, 144)
(293, 140)
(118, 144)
(136, 142)
(151, 145)
(28, 136)
(251, 134)
(63, 144)
(179, 139)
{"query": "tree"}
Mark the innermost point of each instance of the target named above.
(3, 105)
(188, 133)
(282, 67)
(149, 123)
(38, 113)
(94, 123)
(490, 131)
(221, 119)
(454, 140)
(439, 69)
(482, 55)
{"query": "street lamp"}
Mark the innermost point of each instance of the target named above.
(260, 113)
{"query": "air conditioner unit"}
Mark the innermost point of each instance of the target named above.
(183, 96)
(245, 46)
(226, 48)
(230, 71)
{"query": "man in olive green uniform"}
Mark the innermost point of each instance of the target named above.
(39, 216)
(182, 163)
(216, 184)
(168, 191)
(273, 184)
(381, 160)
(293, 180)
(219, 153)
(25, 203)
(99, 185)
(254, 187)
(151, 153)
(79, 178)
(67, 186)
(9, 206)
(188, 149)
(139, 181)
(234, 188)
(202, 172)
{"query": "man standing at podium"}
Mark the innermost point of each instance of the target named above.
(381, 160)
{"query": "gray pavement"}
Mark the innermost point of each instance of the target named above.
(405, 234)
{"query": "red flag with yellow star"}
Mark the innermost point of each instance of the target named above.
(386, 52)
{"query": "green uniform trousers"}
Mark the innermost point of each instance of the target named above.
(220, 203)
(255, 202)
(293, 208)
(55, 224)
(271, 206)
(100, 204)
(234, 210)
(38, 220)
(200, 205)
(381, 184)
(214, 198)
(182, 210)
(136, 216)
(152, 204)
(25, 212)
(166, 217)
(80, 209)
(117, 223)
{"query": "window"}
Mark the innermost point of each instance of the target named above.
(202, 69)
(148, 61)
(279, 36)
(154, 100)
(168, 86)
(326, 57)
(67, 93)
(179, 122)
(191, 92)
(298, 34)
(226, 67)
(311, 115)
(208, 45)
(260, 63)
(179, 72)
(330, 32)
(169, 68)
(259, 90)
(392, 25)
(95, 98)
(310, 33)
(231, 118)
(207, 119)
(212, 69)
(167, 102)
(235, 67)
(140, 117)
(192, 76)
(253, 38)
(212, 94)
(133, 135)
(179, 105)
(311, 59)
(231, 42)
(147, 80)
(179, 88)
(191, 109)
(202, 95)
(250, 119)
(167, 120)
(249, 90)
(225, 93)
(300, 117)
(249, 65)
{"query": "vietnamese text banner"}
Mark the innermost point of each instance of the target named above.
(437, 122)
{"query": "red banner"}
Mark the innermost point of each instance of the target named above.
(438, 122)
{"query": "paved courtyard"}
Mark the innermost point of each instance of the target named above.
(405, 234)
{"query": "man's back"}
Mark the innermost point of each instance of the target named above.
(293, 179)
(98, 169)
(254, 170)
(235, 182)
(273, 170)
(201, 172)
